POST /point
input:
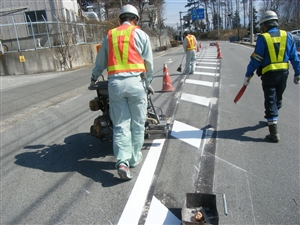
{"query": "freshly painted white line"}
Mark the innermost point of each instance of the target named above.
(135, 204)
(159, 214)
(211, 57)
(207, 63)
(199, 82)
(206, 67)
(187, 133)
(206, 73)
(195, 99)
(208, 60)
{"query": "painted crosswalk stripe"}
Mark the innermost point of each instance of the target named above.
(208, 60)
(208, 63)
(187, 133)
(160, 215)
(135, 204)
(206, 73)
(195, 99)
(206, 67)
(209, 57)
(199, 82)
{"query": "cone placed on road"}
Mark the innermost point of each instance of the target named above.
(219, 54)
(167, 83)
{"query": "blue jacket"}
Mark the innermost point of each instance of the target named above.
(261, 57)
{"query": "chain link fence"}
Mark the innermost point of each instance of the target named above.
(48, 34)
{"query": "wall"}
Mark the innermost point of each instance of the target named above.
(51, 60)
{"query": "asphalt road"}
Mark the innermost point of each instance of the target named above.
(54, 172)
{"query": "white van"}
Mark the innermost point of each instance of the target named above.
(295, 32)
(297, 43)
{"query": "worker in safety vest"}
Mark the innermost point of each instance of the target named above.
(273, 51)
(126, 52)
(189, 46)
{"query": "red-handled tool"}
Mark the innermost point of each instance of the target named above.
(241, 92)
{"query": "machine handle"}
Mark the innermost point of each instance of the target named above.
(225, 204)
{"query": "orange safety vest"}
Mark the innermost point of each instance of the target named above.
(191, 45)
(123, 55)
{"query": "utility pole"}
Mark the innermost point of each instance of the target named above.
(218, 14)
(181, 24)
(238, 19)
(251, 22)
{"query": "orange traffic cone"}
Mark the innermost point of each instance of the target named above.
(167, 83)
(219, 54)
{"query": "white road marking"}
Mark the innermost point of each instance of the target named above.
(206, 67)
(187, 133)
(207, 73)
(199, 82)
(195, 99)
(159, 214)
(208, 63)
(135, 204)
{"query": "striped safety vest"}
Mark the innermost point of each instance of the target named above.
(277, 62)
(191, 45)
(123, 55)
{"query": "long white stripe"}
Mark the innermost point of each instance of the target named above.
(135, 204)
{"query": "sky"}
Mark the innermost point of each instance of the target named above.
(172, 9)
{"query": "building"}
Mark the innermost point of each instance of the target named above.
(23, 19)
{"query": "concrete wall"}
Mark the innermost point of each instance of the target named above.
(51, 60)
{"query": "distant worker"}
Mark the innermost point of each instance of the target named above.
(127, 54)
(273, 51)
(189, 46)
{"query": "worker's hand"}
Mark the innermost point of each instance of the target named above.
(246, 81)
(92, 84)
(296, 79)
(150, 89)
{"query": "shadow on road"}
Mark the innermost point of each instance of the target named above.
(240, 133)
(80, 153)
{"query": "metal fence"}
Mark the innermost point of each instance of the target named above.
(48, 34)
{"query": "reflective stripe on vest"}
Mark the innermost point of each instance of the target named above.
(123, 55)
(276, 60)
(191, 45)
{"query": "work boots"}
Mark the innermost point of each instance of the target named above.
(274, 135)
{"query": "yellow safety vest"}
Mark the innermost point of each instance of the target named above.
(123, 55)
(277, 62)
(191, 45)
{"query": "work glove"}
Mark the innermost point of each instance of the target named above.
(296, 79)
(246, 81)
(92, 85)
(150, 89)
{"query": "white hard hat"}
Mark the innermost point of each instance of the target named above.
(129, 9)
(268, 15)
